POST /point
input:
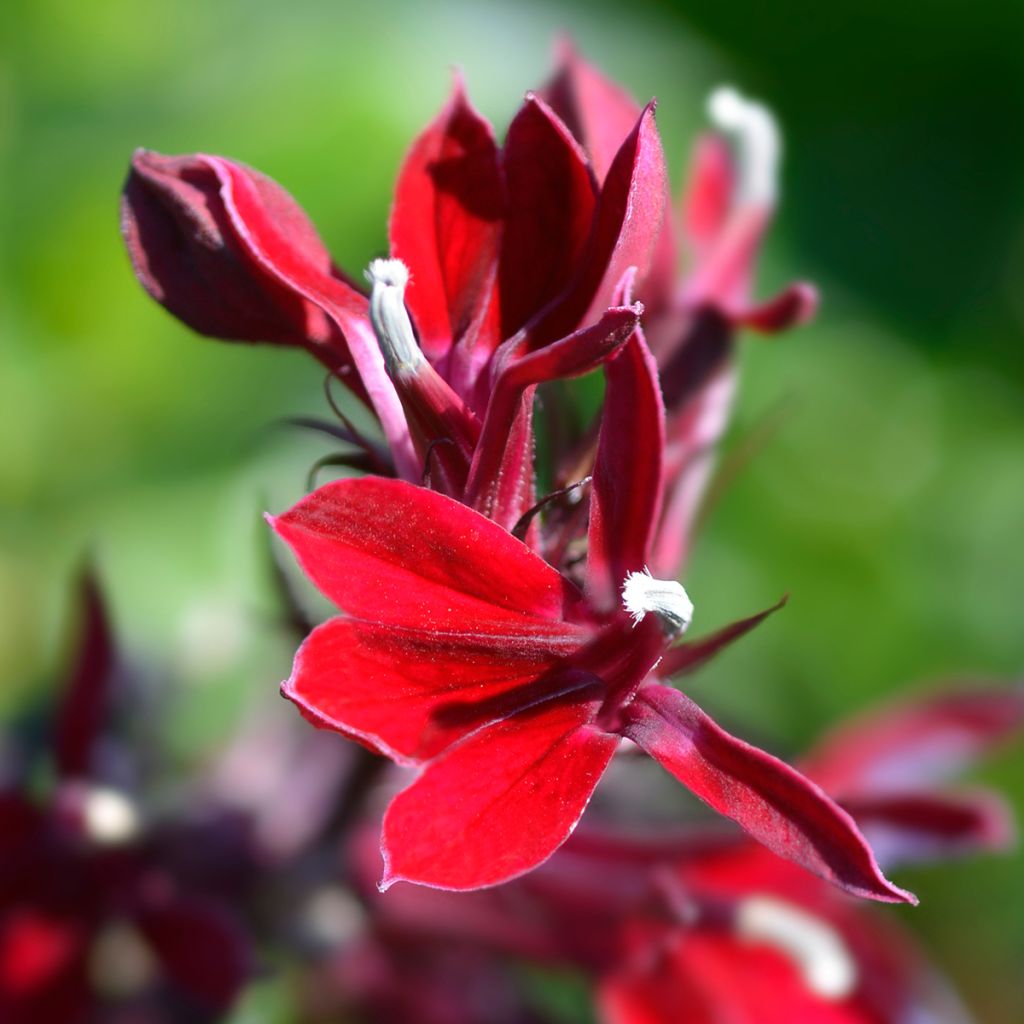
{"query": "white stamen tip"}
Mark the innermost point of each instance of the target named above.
(816, 948)
(389, 317)
(110, 817)
(642, 593)
(759, 146)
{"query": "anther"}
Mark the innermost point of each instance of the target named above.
(759, 146)
(814, 946)
(390, 319)
(642, 593)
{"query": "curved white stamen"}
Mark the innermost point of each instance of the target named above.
(109, 816)
(759, 146)
(642, 593)
(390, 319)
(817, 948)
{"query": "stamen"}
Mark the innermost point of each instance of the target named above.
(642, 593)
(759, 146)
(390, 319)
(817, 949)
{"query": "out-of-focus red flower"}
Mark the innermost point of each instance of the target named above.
(95, 915)
(705, 926)
(463, 653)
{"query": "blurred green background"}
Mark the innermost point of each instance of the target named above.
(890, 503)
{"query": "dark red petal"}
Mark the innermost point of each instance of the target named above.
(774, 803)
(551, 200)
(446, 223)
(708, 196)
(502, 801)
(201, 950)
(410, 693)
(688, 657)
(500, 467)
(186, 254)
(597, 111)
(911, 828)
(919, 743)
(627, 226)
(793, 306)
(387, 551)
(79, 716)
(628, 480)
(270, 244)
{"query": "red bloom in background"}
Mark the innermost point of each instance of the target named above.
(462, 652)
(95, 914)
(704, 926)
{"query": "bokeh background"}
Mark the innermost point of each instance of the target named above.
(889, 500)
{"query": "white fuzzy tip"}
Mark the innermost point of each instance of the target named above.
(755, 133)
(642, 593)
(816, 948)
(109, 816)
(390, 319)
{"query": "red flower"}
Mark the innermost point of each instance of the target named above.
(94, 914)
(510, 249)
(462, 652)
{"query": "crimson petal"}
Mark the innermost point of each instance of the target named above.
(771, 801)
(688, 657)
(911, 828)
(500, 802)
(920, 743)
(446, 223)
(626, 494)
(389, 552)
(551, 200)
(81, 710)
(410, 693)
(597, 111)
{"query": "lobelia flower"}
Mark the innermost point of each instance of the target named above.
(703, 925)
(461, 652)
(506, 251)
(96, 914)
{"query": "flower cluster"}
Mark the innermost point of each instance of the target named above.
(509, 616)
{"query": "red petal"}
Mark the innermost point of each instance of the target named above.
(499, 468)
(410, 693)
(917, 744)
(446, 223)
(271, 244)
(81, 710)
(390, 552)
(795, 305)
(626, 494)
(911, 828)
(598, 112)
(551, 200)
(502, 801)
(708, 197)
(688, 657)
(627, 226)
(772, 802)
